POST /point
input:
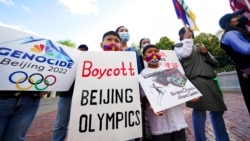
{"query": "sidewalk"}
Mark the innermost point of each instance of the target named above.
(236, 118)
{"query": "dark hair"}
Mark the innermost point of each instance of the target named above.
(141, 42)
(111, 33)
(182, 31)
(225, 20)
(117, 29)
(147, 47)
(83, 46)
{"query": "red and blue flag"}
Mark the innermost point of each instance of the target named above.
(185, 14)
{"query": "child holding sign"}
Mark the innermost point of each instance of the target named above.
(169, 124)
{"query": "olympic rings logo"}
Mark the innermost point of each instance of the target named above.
(35, 79)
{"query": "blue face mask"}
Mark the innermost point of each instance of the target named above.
(124, 36)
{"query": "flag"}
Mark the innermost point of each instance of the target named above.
(241, 4)
(185, 14)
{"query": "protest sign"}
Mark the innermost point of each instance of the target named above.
(29, 62)
(167, 86)
(106, 100)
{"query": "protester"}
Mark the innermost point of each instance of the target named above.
(143, 42)
(198, 64)
(111, 41)
(63, 109)
(170, 124)
(236, 43)
(124, 35)
(17, 112)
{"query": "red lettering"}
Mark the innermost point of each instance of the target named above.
(88, 69)
(163, 54)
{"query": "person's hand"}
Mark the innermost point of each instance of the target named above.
(160, 113)
(202, 49)
(188, 34)
(195, 100)
(44, 93)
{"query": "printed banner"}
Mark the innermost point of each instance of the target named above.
(167, 86)
(28, 62)
(106, 99)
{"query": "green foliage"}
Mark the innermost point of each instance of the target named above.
(165, 43)
(67, 42)
(212, 43)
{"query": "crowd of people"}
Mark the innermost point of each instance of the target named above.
(18, 108)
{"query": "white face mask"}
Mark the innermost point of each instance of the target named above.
(143, 46)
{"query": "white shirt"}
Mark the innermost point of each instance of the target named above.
(186, 50)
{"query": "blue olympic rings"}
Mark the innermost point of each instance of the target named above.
(31, 80)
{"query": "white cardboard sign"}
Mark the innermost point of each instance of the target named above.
(106, 99)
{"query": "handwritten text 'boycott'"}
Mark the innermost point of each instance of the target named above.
(124, 70)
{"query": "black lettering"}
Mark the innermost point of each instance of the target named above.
(100, 121)
(128, 98)
(138, 115)
(92, 97)
(85, 118)
(110, 118)
(130, 114)
(119, 118)
(5, 61)
(84, 99)
(90, 124)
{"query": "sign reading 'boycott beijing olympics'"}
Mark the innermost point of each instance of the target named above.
(106, 100)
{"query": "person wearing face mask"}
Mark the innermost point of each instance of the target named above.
(110, 41)
(144, 42)
(167, 125)
(198, 65)
(236, 43)
(124, 36)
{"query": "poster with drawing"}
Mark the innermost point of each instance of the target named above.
(166, 87)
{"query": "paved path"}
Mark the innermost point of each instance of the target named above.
(237, 120)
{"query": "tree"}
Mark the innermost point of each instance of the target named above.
(213, 45)
(211, 42)
(165, 43)
(67, 42)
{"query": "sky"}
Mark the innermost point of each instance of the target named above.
(85, 21)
